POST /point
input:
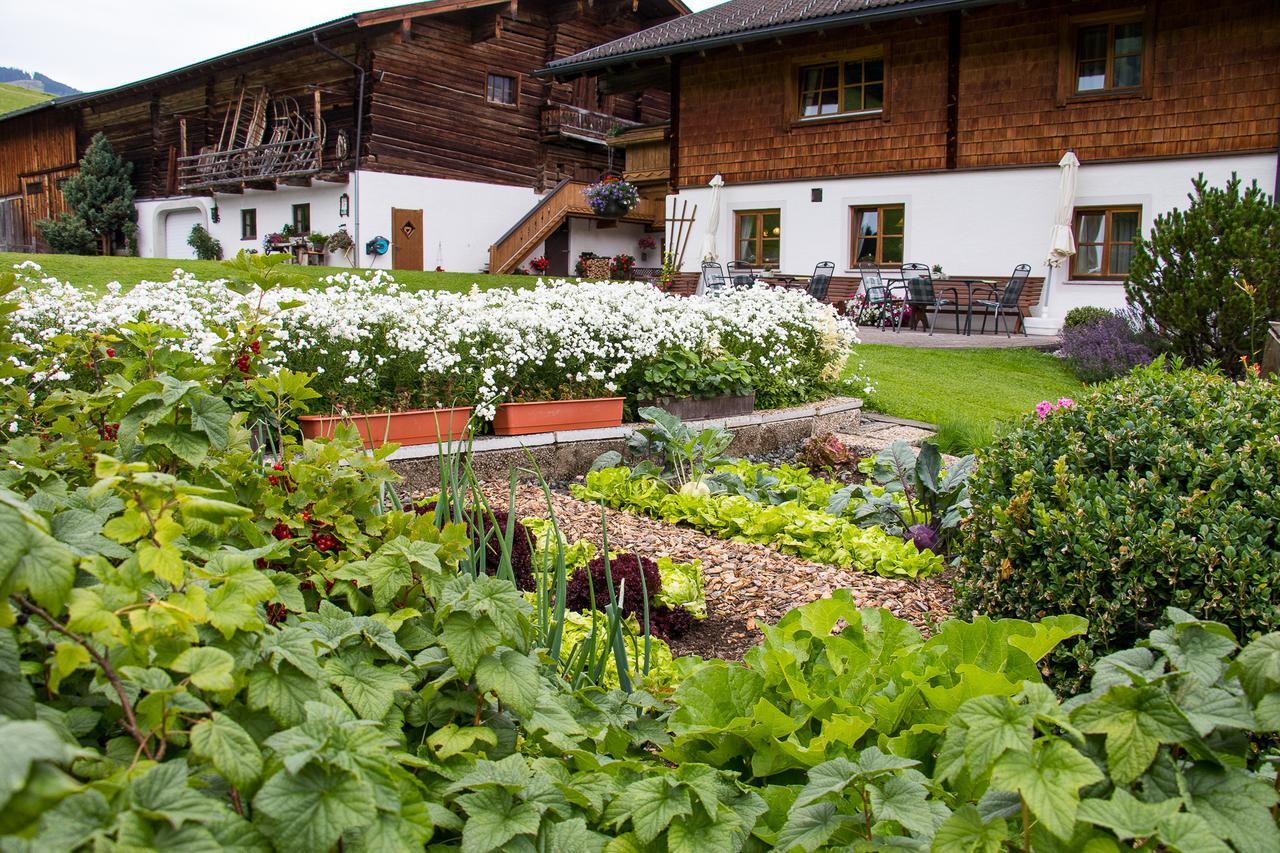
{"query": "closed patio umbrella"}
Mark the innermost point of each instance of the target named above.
(709, 252)
(1062, 243)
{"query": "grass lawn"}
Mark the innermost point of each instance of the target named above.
(966, 392)
(95, 272)
(16, 97)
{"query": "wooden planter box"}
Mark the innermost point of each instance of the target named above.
(695, 409)
(420, 426)
(557, 415)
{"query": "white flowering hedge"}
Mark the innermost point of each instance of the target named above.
(375, 345)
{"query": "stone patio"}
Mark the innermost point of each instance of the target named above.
(945, 338)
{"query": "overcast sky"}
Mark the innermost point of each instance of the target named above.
(95, 44)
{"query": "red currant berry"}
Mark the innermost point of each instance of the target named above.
(282, 531)
(256, 346)
(111, 353)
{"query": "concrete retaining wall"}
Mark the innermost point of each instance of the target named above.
(565, 455)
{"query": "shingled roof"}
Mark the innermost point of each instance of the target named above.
(746, 20)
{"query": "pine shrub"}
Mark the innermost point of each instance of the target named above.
(1208, 277)
(1160, 489)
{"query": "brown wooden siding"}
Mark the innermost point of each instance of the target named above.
(35, 144)
(429, 115)
(1215, 89)
(143, 125)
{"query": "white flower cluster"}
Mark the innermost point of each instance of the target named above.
(366, 332)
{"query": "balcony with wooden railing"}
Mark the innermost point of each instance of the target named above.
(565, 121)
(566, 200)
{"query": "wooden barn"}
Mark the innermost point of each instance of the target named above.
(931, 131)
(421, 124)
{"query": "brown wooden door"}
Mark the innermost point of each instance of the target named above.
(557, 248)
(406, 239)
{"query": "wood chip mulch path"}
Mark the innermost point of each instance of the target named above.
(746, 584)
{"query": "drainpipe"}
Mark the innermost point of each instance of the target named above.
(355, 172)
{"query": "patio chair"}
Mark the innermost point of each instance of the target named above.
(1006, 301)
(713, 278)
(742, 275)
(921, 294)
(821, 281)
(880, 294)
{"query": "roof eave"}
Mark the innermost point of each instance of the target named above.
(563, 67)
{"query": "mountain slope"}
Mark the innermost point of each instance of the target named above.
(15, 97)
(47, 84)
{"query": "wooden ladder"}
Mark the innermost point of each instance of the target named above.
(565, 200)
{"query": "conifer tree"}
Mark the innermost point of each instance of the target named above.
(100, 197)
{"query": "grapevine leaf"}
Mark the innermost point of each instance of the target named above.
(210, 668)
(310, 810)
(223, 743)
(965, 832)
(1049, 778)
(1136, 720)
(513, 677)
(494, 818)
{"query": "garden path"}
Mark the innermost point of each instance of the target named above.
(746, 584)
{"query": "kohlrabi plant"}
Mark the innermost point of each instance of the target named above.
(916, 498)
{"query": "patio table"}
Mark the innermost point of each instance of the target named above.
(969, 285)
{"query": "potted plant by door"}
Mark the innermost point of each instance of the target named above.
(696, 386)
(612, 197)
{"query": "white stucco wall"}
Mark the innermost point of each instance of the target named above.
(972, 223)
(461, 219)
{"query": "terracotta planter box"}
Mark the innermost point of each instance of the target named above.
(695, 409)
(557, 415)
(421, 426)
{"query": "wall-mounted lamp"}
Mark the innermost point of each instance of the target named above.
(214, 214)
(344, 205)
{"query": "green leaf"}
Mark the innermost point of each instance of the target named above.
(1049, 778)
(453, 740)
(1048, 634)
(30, 559)
(210, 668)
(1136, 720)
(653, 803)
(467, 639)
(1127, 816)
(370, 689)
(211, 415)
(1259, 666)
(164, 562)
(23, 743)
(513, 677)
(905, 798)
(810, 827)
(310, 810)
(494, 818)
(189, 446)
(1188, 833)
(284, 692)
(995, 724)
(163, 794)
(1236, 805)
(223, 743)
(965, 832)
(570, 836)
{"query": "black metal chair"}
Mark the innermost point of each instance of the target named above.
(880, 294)
(1006, 301)
(921, 294)
(820, 283)
(741, 275)
(713, 278)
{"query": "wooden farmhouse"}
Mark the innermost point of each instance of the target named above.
(421, 128)
(892, 131)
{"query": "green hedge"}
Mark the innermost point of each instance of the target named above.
(1160, 489)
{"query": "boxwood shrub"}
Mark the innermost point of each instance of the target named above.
(1159, 489)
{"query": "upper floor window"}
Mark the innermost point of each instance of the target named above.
(249, 223)
(1109, 57)
(844, 87)
(879, 234)
(1105, 238)
(759, 237)
(1107, 53)
(501, 89)
(302, 219)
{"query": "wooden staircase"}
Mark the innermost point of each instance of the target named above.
(564, 201)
